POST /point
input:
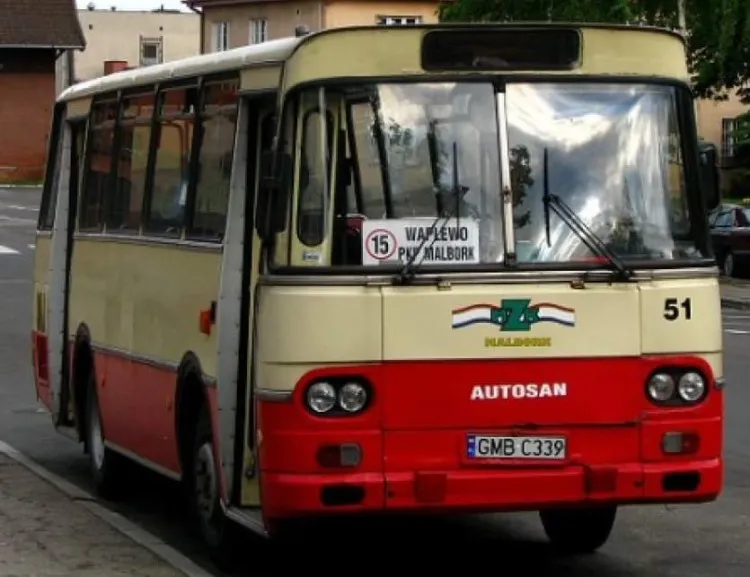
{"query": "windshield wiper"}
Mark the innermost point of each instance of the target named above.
(580, 228)
(406, 274)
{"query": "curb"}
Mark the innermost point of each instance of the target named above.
(129, 529)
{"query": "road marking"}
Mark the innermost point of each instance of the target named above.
(736, 332)
(19, 207)
(7, 250)
(129, 529)
(31, 246)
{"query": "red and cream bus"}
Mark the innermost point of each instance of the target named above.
(389, 269)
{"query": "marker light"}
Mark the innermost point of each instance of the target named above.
(352, 397)
(321, 397)
(691, 387)
(661, 387)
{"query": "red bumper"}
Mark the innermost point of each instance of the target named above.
(438, 479)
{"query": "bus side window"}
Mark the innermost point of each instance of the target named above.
(167, 203)
(98, 164)
(125, 201)
(219, 117)
(52, 173)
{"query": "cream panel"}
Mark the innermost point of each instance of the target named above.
(700, 333)
(418, 322)
(261, 78)
(392, 51)
(308, 325)
(41, 280)
(145, 298)
(79, 107)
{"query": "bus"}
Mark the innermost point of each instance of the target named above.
(439, 269)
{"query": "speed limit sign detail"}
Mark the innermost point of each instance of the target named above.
(380, 244)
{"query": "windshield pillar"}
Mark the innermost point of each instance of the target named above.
(509, 240)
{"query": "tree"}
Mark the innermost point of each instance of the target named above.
(718, 31)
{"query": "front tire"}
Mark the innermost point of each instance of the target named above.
(578, 531)
(219, 533)
(105, 465)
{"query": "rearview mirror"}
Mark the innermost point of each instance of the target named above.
(709, 174)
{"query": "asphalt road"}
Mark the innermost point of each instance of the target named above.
(685, 541)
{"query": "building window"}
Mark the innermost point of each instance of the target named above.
(221, 36)
(728, 126)
(258, 30)
(398, 20)
(152, 51)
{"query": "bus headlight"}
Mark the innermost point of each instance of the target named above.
(352, 397)
(321, 397)
(691, 387)
(661, 387)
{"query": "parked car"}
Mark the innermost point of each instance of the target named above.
(729, 225)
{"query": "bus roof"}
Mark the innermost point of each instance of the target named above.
(264, 54)
(367, 54)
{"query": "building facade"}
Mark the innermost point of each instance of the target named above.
(119, 39)
(34, 36)
(717, 121)
(232, 23)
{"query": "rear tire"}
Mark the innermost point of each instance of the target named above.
(578, 531)
(219, 533)
(728, 265)
(105, 465)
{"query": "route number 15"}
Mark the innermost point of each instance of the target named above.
(673, 309)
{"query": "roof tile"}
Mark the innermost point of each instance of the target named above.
(40, 23)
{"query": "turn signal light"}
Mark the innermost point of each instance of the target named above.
(679, 443)
(339, 456)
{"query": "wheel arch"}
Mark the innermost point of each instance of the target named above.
(83, 366)
(191, 395)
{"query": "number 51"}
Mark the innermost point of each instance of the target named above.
(674, 309)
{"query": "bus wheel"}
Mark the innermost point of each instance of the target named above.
(578, 530)
(105, 465)
(218, 532)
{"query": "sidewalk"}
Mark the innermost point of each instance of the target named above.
(735, 293)
(46, 533)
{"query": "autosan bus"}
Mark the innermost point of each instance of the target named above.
(435, 269)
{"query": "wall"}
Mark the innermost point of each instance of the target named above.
(116, 36)
(283, 18)
(27, 96)
(353, 13)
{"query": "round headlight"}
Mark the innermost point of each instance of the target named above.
(352, 397)
(691, 387)
(661, 387)
(321, 397)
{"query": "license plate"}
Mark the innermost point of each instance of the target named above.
(493, 447)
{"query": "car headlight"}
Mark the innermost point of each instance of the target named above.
(352, 397)
(321, 397)
(661, 387)
(691, 387)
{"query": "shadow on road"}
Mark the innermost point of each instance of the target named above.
(373, 546)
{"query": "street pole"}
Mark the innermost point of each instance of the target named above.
(681, 17)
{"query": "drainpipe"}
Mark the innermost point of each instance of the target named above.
(202, 39)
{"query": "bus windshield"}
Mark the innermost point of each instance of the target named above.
(416, 167)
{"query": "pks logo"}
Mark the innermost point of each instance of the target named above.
(514, 315)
